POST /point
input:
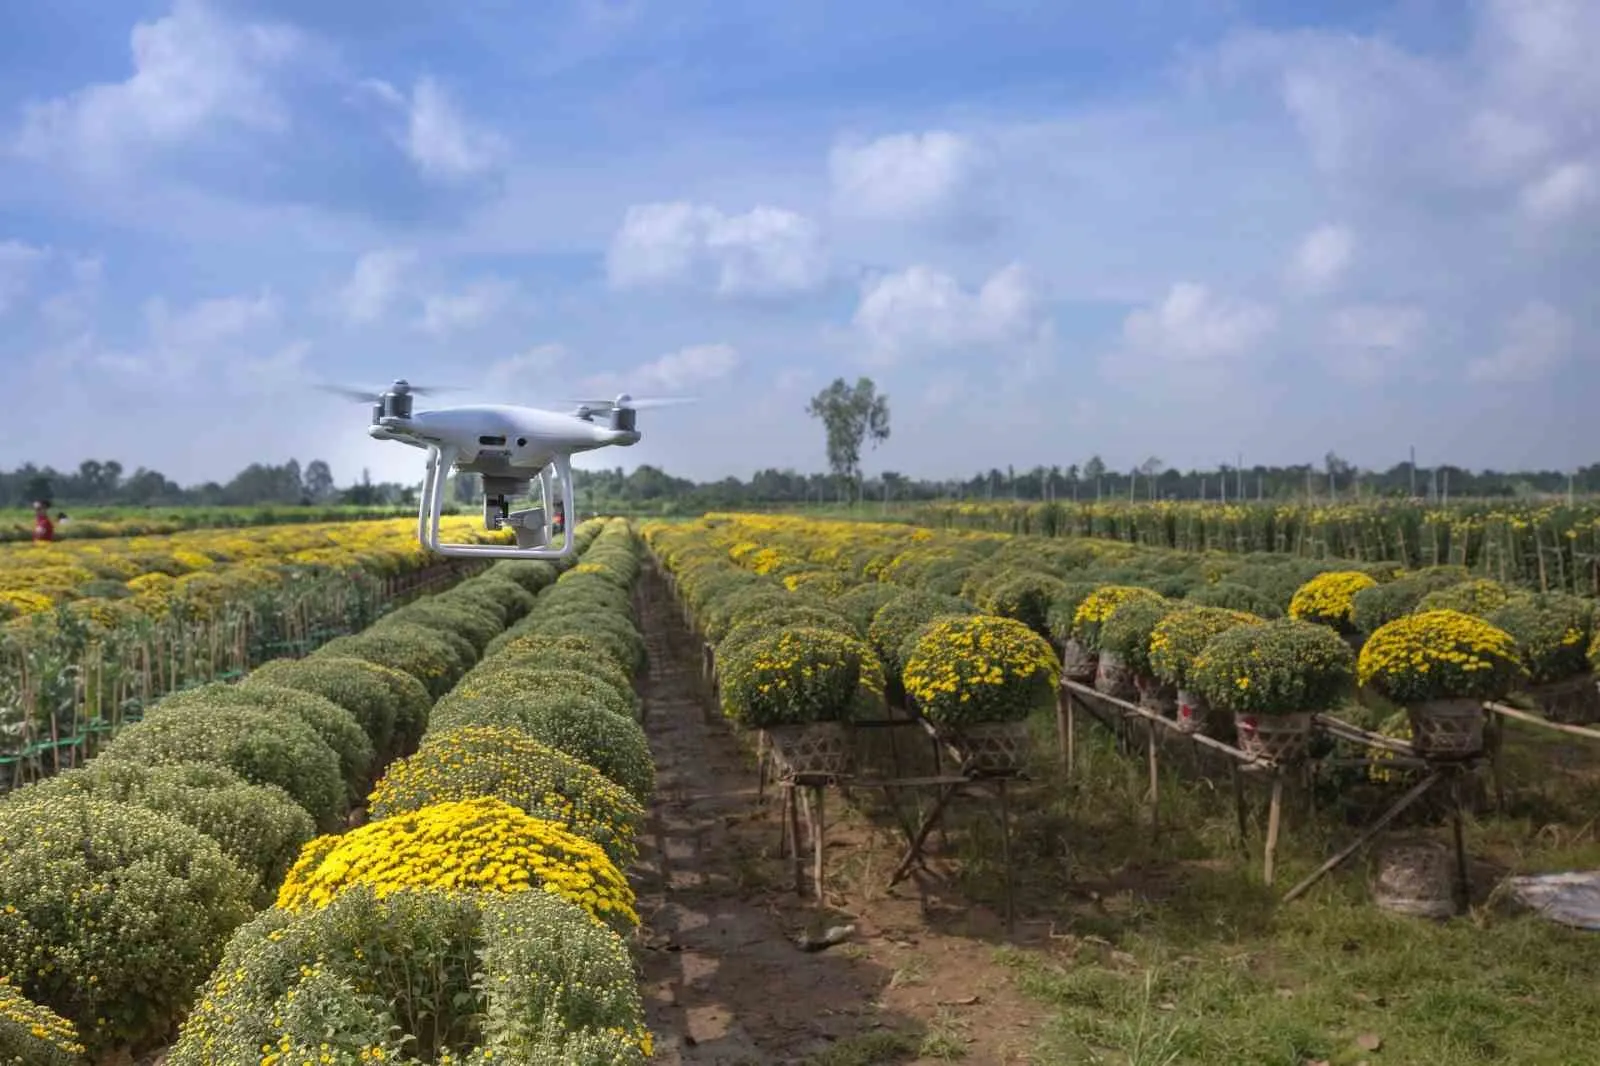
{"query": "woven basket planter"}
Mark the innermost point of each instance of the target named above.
(1078, 663)
(991, 747)
(1274, 738)
(1446, 729)
(1191, 712)
(1575, 701)
(1112, 677)
(1416, 878)
(1154, 696)
(812, 748)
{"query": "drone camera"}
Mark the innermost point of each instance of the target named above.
(624, 419)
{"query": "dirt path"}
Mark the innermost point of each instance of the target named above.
(725, 982)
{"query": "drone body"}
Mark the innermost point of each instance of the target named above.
(508, 447)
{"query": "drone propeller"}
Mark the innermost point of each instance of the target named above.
(369, 395)
(630, 403)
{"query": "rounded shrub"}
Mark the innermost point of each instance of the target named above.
(32, 1035)
(618, 634)
(481, 844)
(1128, 629)
(1377, 604)
(113, 913)
(536, 653)
(1179, 638)
(422, 975)
(981, 668)
(1552, 631)
(508, 764)
(584, 729)
(336, 726)
(412, 650)
(262, 746)
(354, 684)
(902, 618)
(723, 614)
(860, 605)
(478, 625)
(1232, 596)
(1328, 599)
(1479, 597)
(258, 826)
(509, 680)
(1438, 655)
(1088, 620)
(1025, 596)
(1285, 666)
(799, 675)
(532, 575)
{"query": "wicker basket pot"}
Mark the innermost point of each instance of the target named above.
(1446, 729)
(1078, 663)
(1416, 878)
(1113, 678)
(1276, 738)
(1191, 712)
(993, 747)
(812, 748)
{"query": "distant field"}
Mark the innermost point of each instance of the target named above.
(95, 522)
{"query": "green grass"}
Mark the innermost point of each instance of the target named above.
(1172, 951)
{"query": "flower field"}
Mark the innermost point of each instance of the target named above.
(95, 523)
(202, 882)
(1542, 546)
(92, 631)
(810, 619)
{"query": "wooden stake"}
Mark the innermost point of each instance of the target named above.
(1274, 821)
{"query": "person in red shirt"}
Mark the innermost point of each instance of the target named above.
(43, 528)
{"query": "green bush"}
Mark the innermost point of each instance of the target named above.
(258, 826)
(901, 618)
(412, 650)
(1552, 631)
(542, 653)
(1480, 597)
(507, 763)
(528, 977)
(532, 575)
(1285, 666)
(336, 726)
(1378, 605)
(798, 675)
(1024, 596)
(354, 684)
(1233, 596)
(262, 746)
(31, 1035)
(507, 681)
(861, 604)
(618, 634)
(1063, 608)
(981, 668)
(113, 913)
(1127, 631)
(584, 729)
(476, 624)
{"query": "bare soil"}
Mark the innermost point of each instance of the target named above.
(725, 981)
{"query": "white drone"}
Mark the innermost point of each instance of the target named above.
(509, 448)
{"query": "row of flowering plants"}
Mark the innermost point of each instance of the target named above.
(473, 915)
(1250, 648)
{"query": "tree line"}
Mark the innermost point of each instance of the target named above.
(852, 417)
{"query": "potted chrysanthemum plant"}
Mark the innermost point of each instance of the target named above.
(1552, 631)
(1176, 641)
(1273, 678)
(1126, 635)
(1441, 666)
(977, 679)
(1112, 675)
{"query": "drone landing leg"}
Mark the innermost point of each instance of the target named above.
(442, 460)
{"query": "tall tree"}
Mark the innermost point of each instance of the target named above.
(851, 415)
(319, 481)
(1094, 470)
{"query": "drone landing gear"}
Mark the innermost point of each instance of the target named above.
(534, 527)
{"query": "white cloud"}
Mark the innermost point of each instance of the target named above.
(192, 69)
(1562, 191)
(522, 378)
(922, 311)
(903, 176)
(212, 332)
(375, 283)
(439, 139)
(1194, 326)
(18, 262)
(764, 252)
(687, 368)
(472, 307)
(1538, 339)
(1369, 342)
(1321, 259)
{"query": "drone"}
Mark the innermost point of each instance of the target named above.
(510, 448)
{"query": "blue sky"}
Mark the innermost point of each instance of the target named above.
(1174, 228)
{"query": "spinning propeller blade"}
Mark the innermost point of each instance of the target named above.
(368, 395)
(642, 403)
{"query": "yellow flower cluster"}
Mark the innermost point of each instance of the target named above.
(981, 668)
(480, 844)
(1437, 655)
(1327, 598)
(208, 566)
(1096, 607)
(35, 1035)
(1180, 637)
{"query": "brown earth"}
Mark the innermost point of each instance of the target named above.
(725, 981)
